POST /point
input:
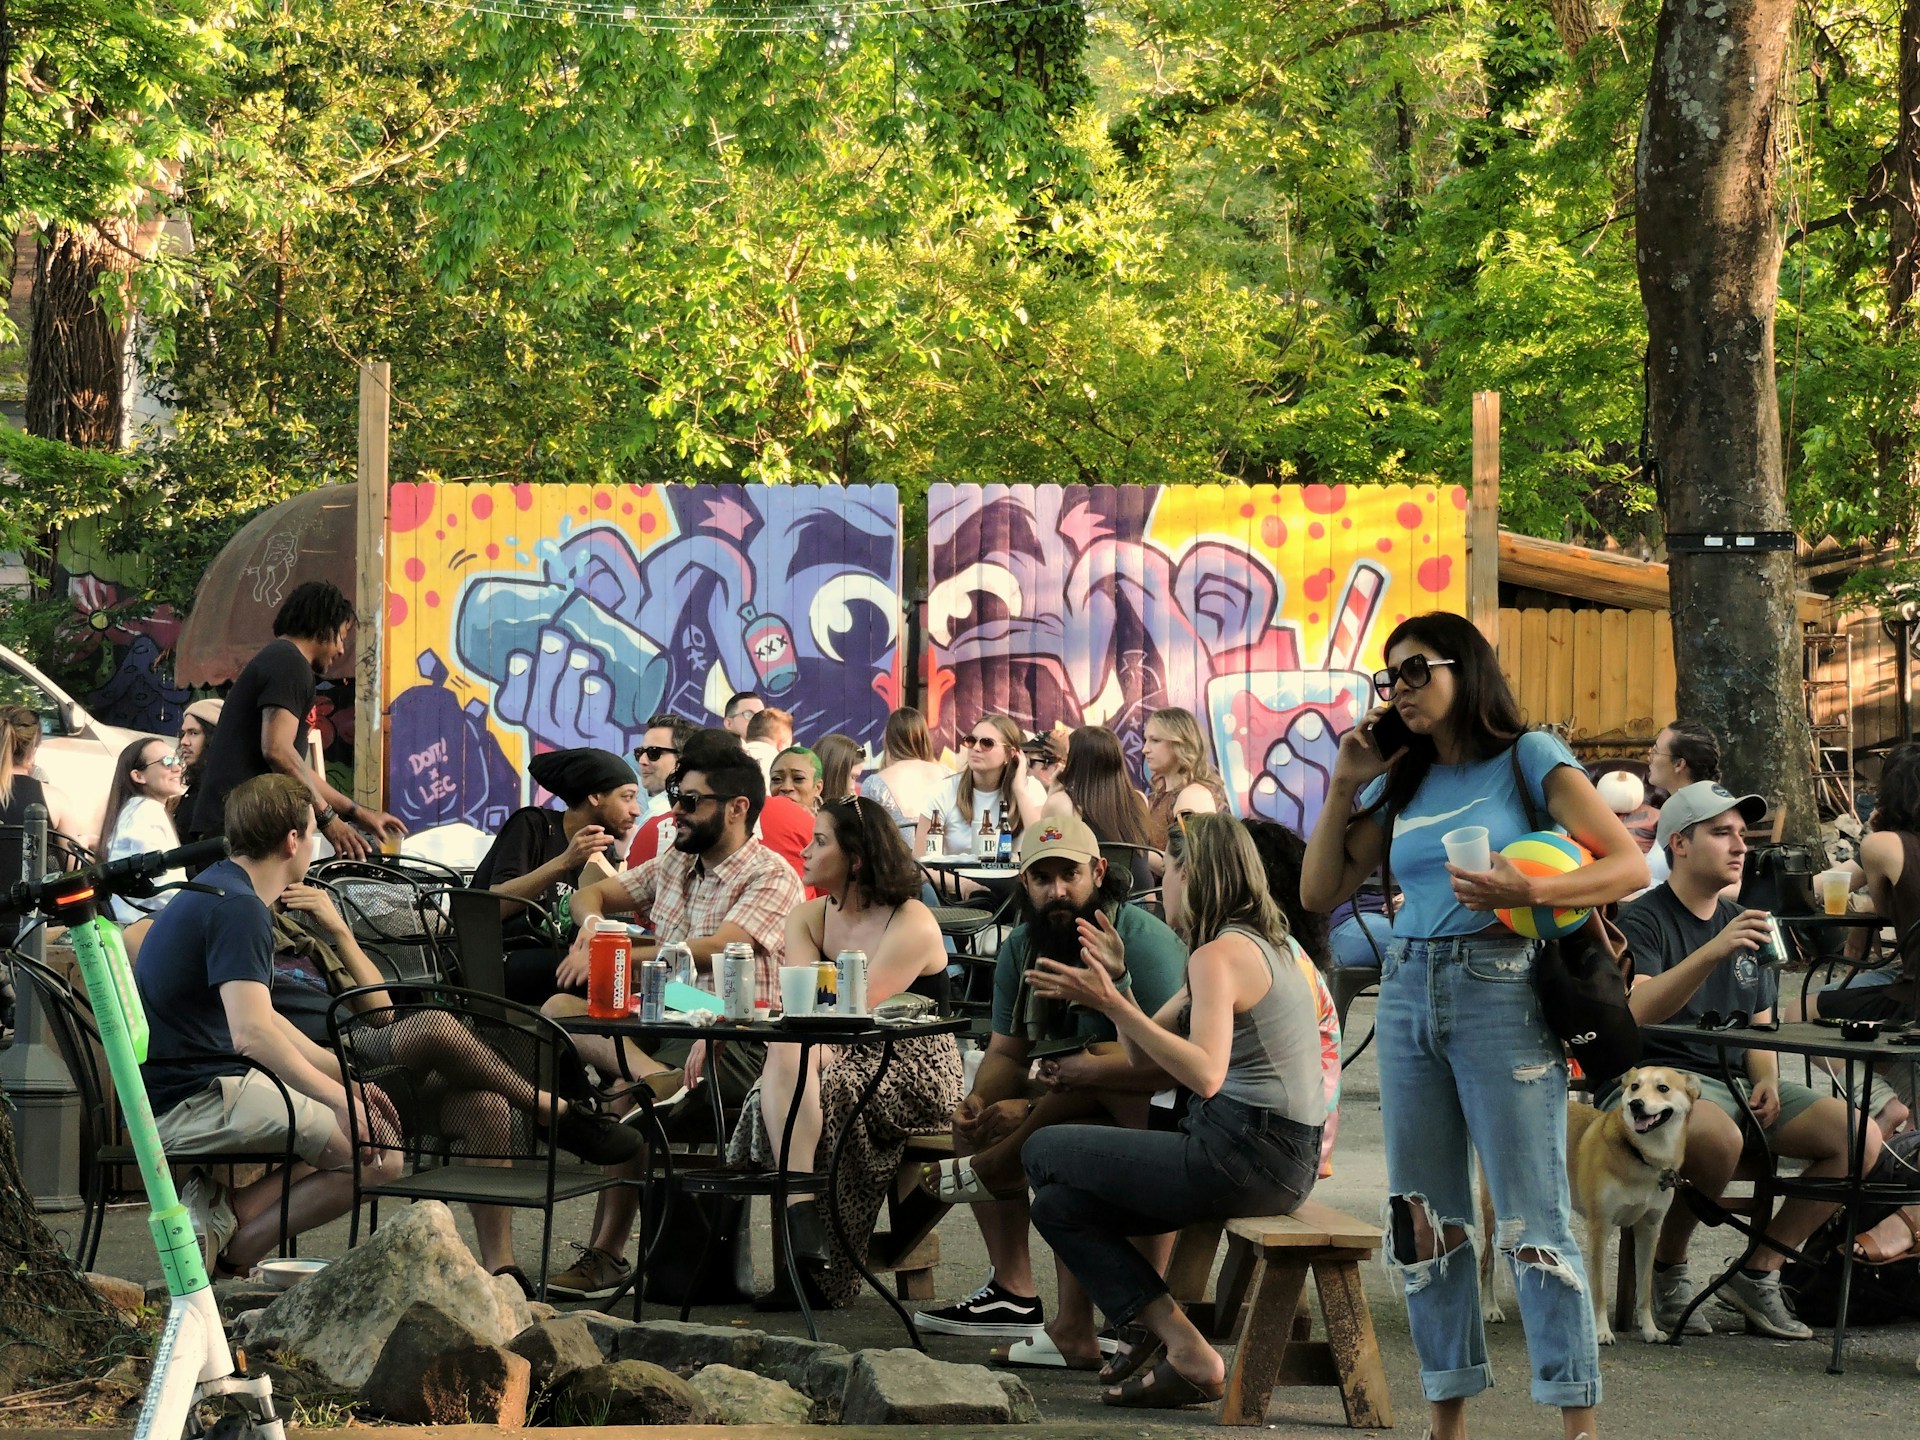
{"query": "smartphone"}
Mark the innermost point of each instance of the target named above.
(1058, 1049)
(1389, 734)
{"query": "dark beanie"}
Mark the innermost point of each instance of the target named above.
(573, 775)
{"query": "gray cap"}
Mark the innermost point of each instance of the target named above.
(1703, 800)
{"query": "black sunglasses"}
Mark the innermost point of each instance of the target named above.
(654, 752)
(1415, 672)
(688, 801)
(1732, 1020)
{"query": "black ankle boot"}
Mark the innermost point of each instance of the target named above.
(781, 1297)
(809, 1233)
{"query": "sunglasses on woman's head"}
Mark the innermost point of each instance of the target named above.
(1415, 672)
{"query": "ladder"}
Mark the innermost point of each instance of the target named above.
(1827, 685)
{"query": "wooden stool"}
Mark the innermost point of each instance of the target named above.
(1268, 1258)
(909, 1245)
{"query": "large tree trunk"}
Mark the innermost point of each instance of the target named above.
(76, 354)
(1903, 178)
(1709, 257)
(51, 1321)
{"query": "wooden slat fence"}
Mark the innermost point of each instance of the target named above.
(1602, 674)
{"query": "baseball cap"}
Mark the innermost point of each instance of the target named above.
(1066, 836)
(1703, 800)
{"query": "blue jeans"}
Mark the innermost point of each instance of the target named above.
(1348, 944)
(1227, 1159)
(1466, 1063)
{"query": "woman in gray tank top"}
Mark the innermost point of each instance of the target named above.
(1244, 1037)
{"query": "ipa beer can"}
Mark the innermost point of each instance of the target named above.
(852, 968)
(736, 981)
(826, 998)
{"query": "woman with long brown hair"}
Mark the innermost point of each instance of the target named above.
(908, 776)
(1094, 785)
(137, 819)
(841, 760)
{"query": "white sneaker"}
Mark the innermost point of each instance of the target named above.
(213, 1219)
(1672, 1293)
(1765, 1306)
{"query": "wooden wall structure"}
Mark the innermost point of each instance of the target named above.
(1603, 676)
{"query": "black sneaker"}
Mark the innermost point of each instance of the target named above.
(597, 1139)
(991, 1310)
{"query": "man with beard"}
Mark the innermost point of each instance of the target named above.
(263, 727)
(547, 855)
(1064, 881)
(716, 886)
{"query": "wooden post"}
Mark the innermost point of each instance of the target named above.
(1483, 518)
(370, 588)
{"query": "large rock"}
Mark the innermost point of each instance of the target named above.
(814, 1367)
(740, 1397)
(904, 1387)
(628, 1392)
(123, 1297)
(555, 1349)
(341, 1317)
(606, 1331)
(679, 1345)
(433, 1370)
(1022, 1408)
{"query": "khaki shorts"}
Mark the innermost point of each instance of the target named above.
(246, 1113)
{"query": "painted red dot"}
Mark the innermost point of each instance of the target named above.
(439, 534)
(627, 508)
(1431, 497)
(1316, 530)
(482, 506)
(432, 597)
(1459, 497)
(523, 496)
(1317, 585)
(647, 523)
(1426, 539)
(583, 512)
(1436, 574)
(1273, 531)
(1246, 512)
(396, 609)
(1410, 515)
(1313, 617)
(493, 552)
(1324, 499)
(643, 491)
(409, 505)
(602, 500)
(452, 520)
(416, 569)
(1346, 523)
(1399, 619)
(1384, 546)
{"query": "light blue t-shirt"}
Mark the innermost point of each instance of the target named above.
(1482, 793)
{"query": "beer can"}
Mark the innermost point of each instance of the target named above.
(736, 981)
(852, 965)
(826, 998)
(1776, 953)
(653, 990)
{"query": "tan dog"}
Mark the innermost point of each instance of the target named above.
(1622, 1164)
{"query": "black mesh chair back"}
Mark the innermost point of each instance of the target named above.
(463, 1070)
(478, 921)
(1131, 862)
(77, 1039)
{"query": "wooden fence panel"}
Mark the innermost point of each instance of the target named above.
(1603, 674)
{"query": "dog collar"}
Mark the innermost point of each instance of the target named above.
(1669, 1179)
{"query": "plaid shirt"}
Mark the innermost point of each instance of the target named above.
(679, 897)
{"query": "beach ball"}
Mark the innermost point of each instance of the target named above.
(1544, 852)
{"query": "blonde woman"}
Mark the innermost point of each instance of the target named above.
(1243, 1036)
(20, 788)
(994, 782)
(1180, 778)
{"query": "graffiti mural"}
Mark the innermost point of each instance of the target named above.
(105, 591)
(529, 618)
(1260, 609)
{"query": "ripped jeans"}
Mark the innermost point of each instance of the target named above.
(1467, 1063)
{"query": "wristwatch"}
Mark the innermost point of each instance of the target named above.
(325, 816)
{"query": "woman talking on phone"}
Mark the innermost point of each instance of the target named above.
(1466, 1062)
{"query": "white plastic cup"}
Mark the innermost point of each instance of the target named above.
(1467, 848)
(1835, 885)
(798, 984)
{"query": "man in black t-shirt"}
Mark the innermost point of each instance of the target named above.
(1696, 952)
(545, 855)
(263, 727)
(205, 979)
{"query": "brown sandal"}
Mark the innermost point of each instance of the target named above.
(1894, 1238)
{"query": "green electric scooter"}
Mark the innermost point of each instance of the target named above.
(193, 1362)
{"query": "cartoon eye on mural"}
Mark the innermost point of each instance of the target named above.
(572, 614)
(1099, 605)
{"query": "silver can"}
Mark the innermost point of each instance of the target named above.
(852, 965)
(653, 991)
(678, 959)
(1774, 957)
(736, 981)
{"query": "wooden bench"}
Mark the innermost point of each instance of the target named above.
(910, 1245)
(1267, 1262)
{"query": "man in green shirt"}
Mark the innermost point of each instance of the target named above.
(1064, 881)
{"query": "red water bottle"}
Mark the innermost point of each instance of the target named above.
(609, 957)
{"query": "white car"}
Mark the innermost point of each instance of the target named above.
(77, 752)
